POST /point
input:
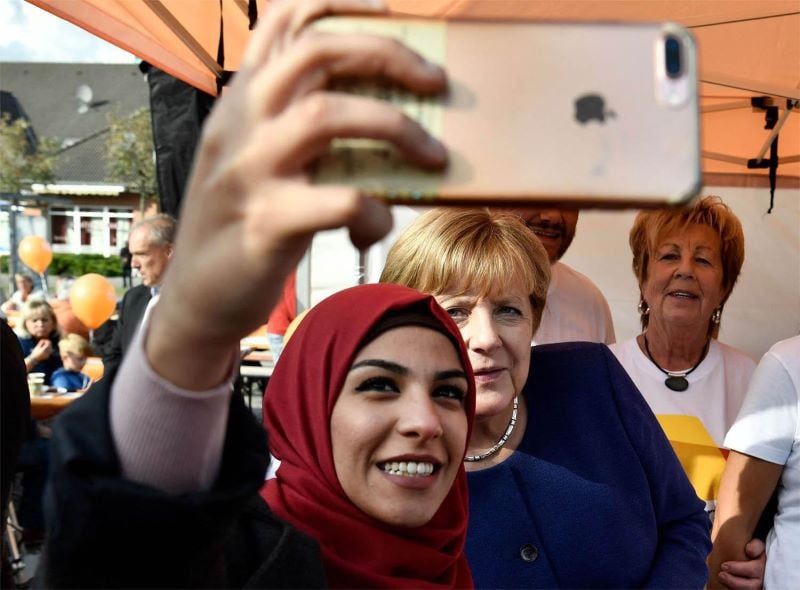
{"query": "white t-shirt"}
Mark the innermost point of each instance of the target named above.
(17, 298)
(768, 427)
(575, 310)
(696, 420)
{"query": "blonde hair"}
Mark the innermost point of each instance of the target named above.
(32, 309)
(650, 227)
(461, 250)
(76, 344)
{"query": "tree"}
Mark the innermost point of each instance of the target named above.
(23, 159)
(130, 154)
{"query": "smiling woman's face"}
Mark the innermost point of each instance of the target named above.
(399, 426)
(684, 277)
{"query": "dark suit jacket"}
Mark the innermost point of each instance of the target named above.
(131, 313)
(104, 531)
(15, 408)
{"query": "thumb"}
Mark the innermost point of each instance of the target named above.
(755, 548)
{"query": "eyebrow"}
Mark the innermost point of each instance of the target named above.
(382, 364)
(675, 245)
(401, 370)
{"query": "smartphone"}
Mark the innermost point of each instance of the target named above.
(578, 114)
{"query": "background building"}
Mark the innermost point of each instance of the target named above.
(81, 211)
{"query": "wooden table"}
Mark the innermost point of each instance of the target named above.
(48, 406)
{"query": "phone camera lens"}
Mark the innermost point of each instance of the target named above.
(672, 57)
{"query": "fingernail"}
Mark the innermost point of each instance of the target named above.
(434, 68)
(436, 148)
(379, 4)
(724, 567)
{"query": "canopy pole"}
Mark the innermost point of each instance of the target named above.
(162, 12)
(790, 104)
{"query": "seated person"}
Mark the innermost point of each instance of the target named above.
(73, 350)
(38, 334)
(24, 293)
(38, 337)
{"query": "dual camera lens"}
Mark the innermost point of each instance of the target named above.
(672, 57)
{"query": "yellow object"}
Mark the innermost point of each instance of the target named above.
(700, 456)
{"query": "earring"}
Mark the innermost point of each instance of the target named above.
(716, 316)
(643, 308)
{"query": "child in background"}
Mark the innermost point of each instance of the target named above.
(39, 335)
(73, 350)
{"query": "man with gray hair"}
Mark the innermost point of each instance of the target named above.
(150, 243)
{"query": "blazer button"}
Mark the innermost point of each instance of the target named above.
(528, 552)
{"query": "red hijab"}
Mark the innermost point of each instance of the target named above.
(358, 550)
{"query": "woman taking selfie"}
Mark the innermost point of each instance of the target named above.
(369, 413)
(156, 481)
(368, 468)
(565, 456)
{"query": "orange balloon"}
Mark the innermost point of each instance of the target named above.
(35, 252)
(93, 299)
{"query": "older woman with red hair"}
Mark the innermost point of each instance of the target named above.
(687, 262)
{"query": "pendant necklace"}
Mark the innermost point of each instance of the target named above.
(503, 439)
(676, 380)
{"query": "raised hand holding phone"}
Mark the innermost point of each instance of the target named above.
(250, 211)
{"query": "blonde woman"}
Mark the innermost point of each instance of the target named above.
(572, 483)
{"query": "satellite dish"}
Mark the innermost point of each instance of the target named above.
(84, 94)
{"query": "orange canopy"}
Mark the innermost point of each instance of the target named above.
(747, 48)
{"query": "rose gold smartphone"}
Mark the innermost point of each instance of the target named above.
(579, 114)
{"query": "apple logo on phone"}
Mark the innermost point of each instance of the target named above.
(592, 107)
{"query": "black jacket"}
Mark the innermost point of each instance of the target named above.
(108, 532)
(134, 304)
(15, 408)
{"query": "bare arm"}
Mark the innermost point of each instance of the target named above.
(41, 352)
(746, 486)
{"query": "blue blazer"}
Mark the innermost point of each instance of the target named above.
(594, 496)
